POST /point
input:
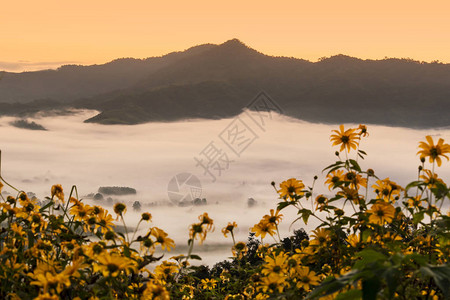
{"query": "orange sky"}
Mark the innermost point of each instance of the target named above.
(38, 34)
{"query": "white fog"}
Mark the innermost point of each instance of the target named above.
(146, 157)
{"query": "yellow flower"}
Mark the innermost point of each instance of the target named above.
(162, 239)
(434, 151)
(321, 235)
(37, 221)
(111, 264)
(381, 212)
(188, 291)
(45, 276)
(234, 297)
(81, 211)
(387, 189)
(104, 220)
(356, 180)
(239, 249)
(229, 228)
(306, 278)
(326, 269)
(271, 283)
(321, 202)
(196, 230)
(262, 296)
(347, 139)
(146, 217)
(263, 250)
(430, 179)
(57, 191)
(17, 229)
(389, 237)
(147, 246)
(74, 201)
(93, 249)
(277, 264)
(350, 194)
(249, 291)
(165, 270)
(28, 205)
(263, 228)
(274, 217)
(415, 202)
(155, 292)
(225, 276)
(334, 177)
(46, 296)
(432, 294)
(208, 284)
(120, 209)
(353, 240)
(206, 220)
(363, 130)
(290, 188)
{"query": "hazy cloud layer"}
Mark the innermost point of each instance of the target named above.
(28, 66)
(147, 156)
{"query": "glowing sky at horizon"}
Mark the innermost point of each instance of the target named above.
(49, 33)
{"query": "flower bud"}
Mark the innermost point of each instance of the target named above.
(109, 235)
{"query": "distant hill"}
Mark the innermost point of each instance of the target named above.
(116, 190)
(72, 82)
(216, 81)
(25, 124)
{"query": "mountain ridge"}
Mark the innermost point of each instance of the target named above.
(195, 83)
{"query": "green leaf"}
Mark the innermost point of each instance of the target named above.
(441, 275)
(282, 205)
(337, 164)
(368, 256)
(392, 276)
(305, 213)
(440, 190)
(414, 184)
(418, 217)
(195, 256)
(415, 258)
(126, 251)
(355, 165)
(3, 218)
(350, 295)
(46, 206)
(370, 288)
(30, 239)
(335, 198)
(334, 169)
(329, 286)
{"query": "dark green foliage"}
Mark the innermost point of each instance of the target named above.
(116, 190)
(27, 125)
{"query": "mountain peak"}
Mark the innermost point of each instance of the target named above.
(234, 42)
(235, 46)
